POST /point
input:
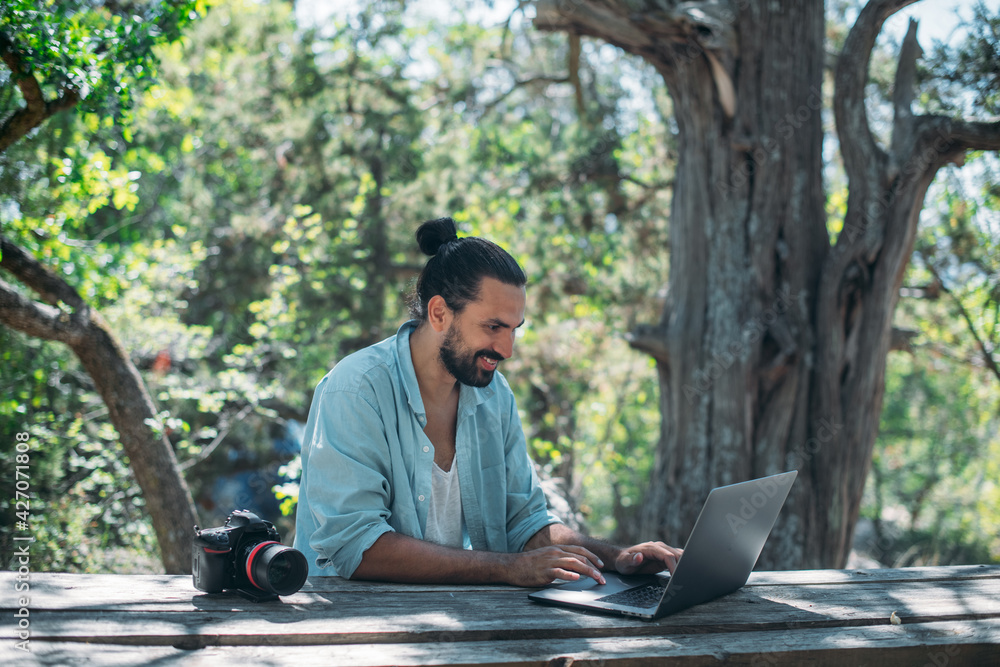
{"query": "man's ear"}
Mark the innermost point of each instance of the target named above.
(439, 315)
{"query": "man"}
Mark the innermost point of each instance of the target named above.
(414, 463)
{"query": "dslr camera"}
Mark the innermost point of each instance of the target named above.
(246, 556)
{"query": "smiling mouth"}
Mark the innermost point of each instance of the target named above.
(488, 363)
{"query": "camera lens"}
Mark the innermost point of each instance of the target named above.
(277, 569)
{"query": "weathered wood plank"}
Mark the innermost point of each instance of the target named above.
(950, 616)
(62, 590)
(174, 592)
(881, 575)
(349, 618)
(938, 644)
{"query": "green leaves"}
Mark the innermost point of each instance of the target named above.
(102, 51)
(241, 204)
(965, 78)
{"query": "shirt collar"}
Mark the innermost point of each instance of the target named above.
(406, 372)
(468, 398)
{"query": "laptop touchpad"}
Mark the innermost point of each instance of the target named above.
(581, 584)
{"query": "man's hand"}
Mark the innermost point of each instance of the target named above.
(647, 558)
(544, 565)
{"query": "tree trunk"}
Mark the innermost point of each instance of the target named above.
(130, 406)
(771, 350)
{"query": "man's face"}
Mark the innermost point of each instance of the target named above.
(482, 335)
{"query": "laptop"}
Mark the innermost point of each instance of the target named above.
(719, 555)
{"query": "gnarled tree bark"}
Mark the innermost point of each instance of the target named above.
(772, 347)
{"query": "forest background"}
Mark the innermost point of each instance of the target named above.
(245, 218)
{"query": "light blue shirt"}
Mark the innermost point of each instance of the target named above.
(366, 462)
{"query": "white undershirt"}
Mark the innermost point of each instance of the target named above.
(445, 520)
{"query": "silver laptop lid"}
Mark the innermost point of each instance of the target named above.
(726, 541)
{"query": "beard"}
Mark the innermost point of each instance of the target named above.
(462, 363)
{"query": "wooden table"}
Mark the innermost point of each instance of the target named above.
(949, 616)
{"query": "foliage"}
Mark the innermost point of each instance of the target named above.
(86, 513)
(966, 80)
(100, 49)
(254, 224)
(933, 492)
(93, 58)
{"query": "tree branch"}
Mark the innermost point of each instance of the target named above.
(662, 32)
(38, 319)
(650, 339)
(903, 92)
(975, 135)
(901, 340)
(609, 21)
(857, 143)
(938, 140)
(51, 288)
(36, 110)
(988, 359)
(34, 319)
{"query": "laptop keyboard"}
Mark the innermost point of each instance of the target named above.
(643, 596)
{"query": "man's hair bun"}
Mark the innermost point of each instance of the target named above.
(457, 267)
(435, 233)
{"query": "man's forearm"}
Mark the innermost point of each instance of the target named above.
(396, 557)
(400, 558)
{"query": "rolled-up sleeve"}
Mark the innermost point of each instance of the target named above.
(348, 480)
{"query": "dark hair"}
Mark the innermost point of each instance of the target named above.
(457, 266)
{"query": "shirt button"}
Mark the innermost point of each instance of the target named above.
(426, 448)
(420, 498)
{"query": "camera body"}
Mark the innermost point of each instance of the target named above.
(245, 555)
